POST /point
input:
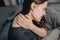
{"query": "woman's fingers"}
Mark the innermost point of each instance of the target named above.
(22, 24)
(19, 22)
(19, 18)
(23, 17)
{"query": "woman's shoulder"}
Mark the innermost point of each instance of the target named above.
(14, 23)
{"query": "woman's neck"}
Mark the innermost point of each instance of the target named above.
(29, 15)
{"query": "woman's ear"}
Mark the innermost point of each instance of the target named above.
(32, 6)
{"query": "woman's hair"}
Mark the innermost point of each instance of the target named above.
(27, 5)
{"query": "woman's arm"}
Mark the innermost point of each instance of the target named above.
(27, 24)
(39, 31)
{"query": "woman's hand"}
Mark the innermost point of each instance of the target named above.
(24, 22)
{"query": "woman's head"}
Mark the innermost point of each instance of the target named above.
(37, 5)
(27, 5)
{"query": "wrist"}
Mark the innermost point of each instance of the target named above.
(32, 27)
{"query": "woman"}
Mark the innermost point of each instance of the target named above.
(33, 14)
(32, 10)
